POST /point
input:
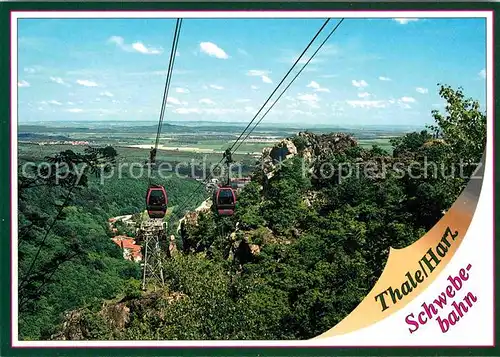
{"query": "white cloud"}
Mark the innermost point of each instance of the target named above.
(266, 79)
(106, 94)
(422, 90)
(215, 111)
(257, 72)
(30, 70)
(317, 87)
(206, 101)
(210, 111)
(213, 50)
(359, 84)
(187, 111)
(314, 85)
(215, 86)
(407, 100)
(75, 110)
(54, 102)
(140, 47)
(367, 103)
(173, 100)
(363, 94)
(59, 80)
(404, 102)
(311, 69)
(23, 84)
(118, 40)
(404, 21)
(260, 73)
(308, 97)
(70, 103)
(134, 47)
(482, 73)
(254, 87)
(86, 83)
(300, 112)
(181, 90)
(158, 73)
(382, 78)
(242, 100)
(220, 111)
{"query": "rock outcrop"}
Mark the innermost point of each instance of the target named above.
(114, 317)
(312, 147)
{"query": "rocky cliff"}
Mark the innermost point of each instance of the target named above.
(244, 244)
(312, 147)
(114, 317)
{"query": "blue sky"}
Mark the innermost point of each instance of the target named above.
(371, 71)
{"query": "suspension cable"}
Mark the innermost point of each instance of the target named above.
(293, 79)
(175, 42)
(281, 82)
(173, 53)
(184, 205)
(42, 243)
(165, 95)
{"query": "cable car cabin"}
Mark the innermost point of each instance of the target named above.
(156, 202)
(224, 201)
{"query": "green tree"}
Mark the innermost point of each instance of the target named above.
(463, 127)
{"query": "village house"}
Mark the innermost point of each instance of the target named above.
(131, 251)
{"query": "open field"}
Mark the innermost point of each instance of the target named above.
(177, 143)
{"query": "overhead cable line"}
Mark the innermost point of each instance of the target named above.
(42, 243)
(70, 191)
(175, 42)
(293, 79)
(170, 70)
(281, 82)
(184, 205)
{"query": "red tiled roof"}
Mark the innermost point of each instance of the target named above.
(125, 242)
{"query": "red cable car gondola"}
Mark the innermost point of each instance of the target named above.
(224, 201)
(156, 202)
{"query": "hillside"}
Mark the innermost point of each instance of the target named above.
(309, 238)
(77, 263)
